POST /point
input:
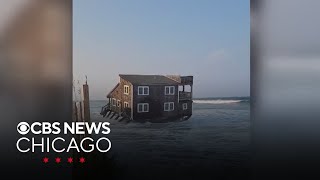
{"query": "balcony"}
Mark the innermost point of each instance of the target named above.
(185, 95)
(186, 80)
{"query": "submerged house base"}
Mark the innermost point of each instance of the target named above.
(154, 98)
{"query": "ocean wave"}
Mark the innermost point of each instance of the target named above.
(217, 101)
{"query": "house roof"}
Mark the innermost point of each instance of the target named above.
(148, 79)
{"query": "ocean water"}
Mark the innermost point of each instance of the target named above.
(214, 142)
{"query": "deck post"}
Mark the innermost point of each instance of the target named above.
(191, 91)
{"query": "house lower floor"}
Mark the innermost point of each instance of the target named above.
(151, 109)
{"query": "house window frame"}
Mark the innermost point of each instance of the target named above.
(118, 103)
(184, 106)
(126, 89)
(143, 92)
(126, 104)
(168, 110)
(113, 101)
(142, 104)
(169, 87)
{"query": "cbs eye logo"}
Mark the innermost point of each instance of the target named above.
(23, 128)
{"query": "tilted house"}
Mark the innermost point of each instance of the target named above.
(152, 96)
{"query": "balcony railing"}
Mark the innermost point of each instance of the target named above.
(185, 95)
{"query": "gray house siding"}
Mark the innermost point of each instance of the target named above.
(118, 94)
(156, 100)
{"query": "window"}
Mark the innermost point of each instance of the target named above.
(169, 106)
(143, 107)
(143, 90)
(118, 103)
(126, 104)
(113, 102)
(184, 106)
(126, 89)
(169, 90)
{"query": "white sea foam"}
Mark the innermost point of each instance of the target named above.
(216, 101)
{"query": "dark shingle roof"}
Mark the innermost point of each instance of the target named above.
(148, 79)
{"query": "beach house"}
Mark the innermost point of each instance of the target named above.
(153, 97)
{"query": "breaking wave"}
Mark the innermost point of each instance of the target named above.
(218, 101)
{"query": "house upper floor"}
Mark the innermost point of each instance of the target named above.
(154, 86)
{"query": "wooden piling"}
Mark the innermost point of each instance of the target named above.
(86, 103)
(81, 108)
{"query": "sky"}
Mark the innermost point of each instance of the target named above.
(207, 39)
